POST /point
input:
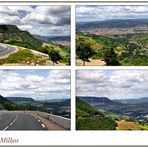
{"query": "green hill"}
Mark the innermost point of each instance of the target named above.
(89, 118)
(11, 34)
(85, 110)
(3, 100)
(125, 50)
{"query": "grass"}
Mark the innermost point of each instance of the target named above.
(138, 61)
(95, 123)
(127, 125)
(64, 52)
(23, 56)
(143, 126)
(135, 55)
(113, 115)
(89, 118)
(84, 109)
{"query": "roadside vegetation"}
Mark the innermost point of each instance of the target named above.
(12, 107)
(24, 57)
(11, 34)
(114, 50)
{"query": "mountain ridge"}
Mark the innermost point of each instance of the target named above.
(112, 23)
(3, 99)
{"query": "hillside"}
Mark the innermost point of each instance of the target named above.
(95, 100)
(101, 102)
(134, 109)
(21, 100)
(133, 101)
(60, 40)
(89, 118)
(3, 100)
(56, 103)
(30, 50)
(115, 42)
(11, 34)
(114, 50)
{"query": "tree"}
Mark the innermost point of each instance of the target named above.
(8, 106)
(110, 57)
(54, 55)
(84, 51)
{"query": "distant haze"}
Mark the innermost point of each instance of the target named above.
(91, 13)
(113, 84)
(37, 84)
(39, 20)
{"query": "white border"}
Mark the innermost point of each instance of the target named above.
(73, 137)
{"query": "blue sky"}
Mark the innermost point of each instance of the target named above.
(38, 84)
(39, 20)
(90, 13)
(114, 84)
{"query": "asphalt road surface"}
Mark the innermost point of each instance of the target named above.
(6, 49)
(20, 121)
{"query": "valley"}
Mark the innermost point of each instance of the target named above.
(116, 42)
(128, 114)
(59, 107)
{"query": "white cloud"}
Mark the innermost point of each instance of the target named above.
(38, 19)
(98, 13)
(56, 84)
(114, 84)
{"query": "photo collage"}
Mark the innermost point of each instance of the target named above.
(76, 67)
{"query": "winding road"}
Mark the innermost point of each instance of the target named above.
(6, 49)
(20, 121)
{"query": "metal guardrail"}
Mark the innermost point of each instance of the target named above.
(62, 121)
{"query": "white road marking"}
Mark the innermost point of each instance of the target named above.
(5, 128)
(40, 122)
(43, 125)
(10, 123)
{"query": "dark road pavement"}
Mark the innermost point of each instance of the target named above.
(6, 49)
(20, 121)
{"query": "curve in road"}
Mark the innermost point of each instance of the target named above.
(20, 121)
(6, 50)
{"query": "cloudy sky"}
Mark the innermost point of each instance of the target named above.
(38, 84)
(40, 20)
(88, 13)
(114, 84)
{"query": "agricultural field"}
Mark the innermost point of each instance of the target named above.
(127, 125)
